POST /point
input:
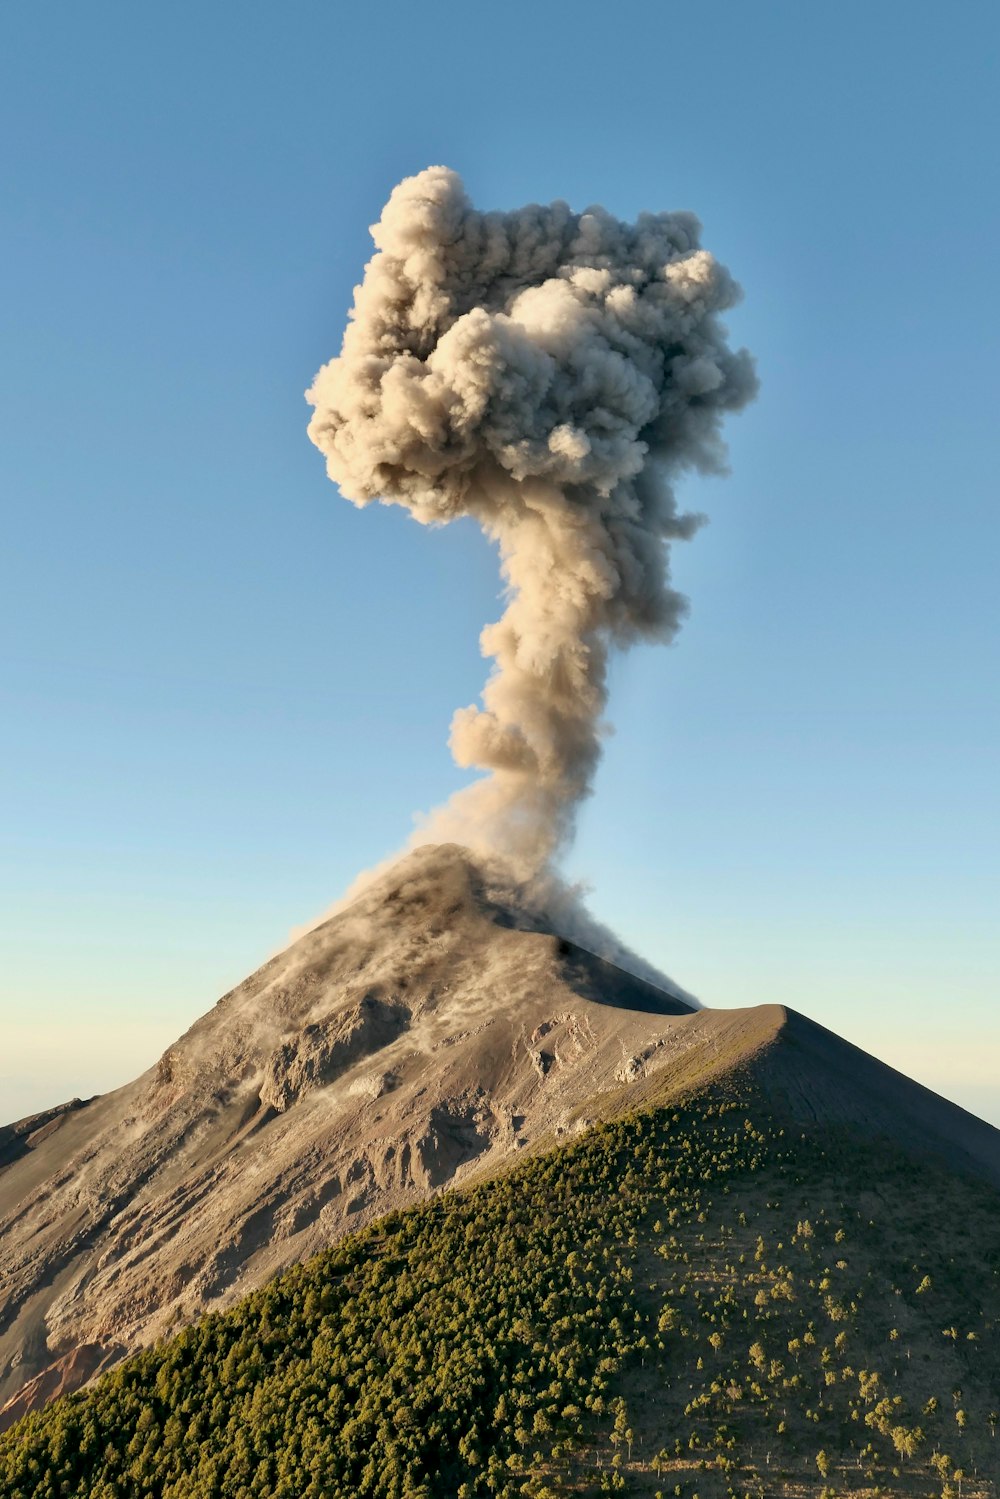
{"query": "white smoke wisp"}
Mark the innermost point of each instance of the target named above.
(550, 374)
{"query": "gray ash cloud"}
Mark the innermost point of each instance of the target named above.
(551, 374)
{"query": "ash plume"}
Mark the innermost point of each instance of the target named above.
(549, 373)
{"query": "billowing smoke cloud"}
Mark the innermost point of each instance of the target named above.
(551, 374)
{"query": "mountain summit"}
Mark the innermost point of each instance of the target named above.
(432, 1031)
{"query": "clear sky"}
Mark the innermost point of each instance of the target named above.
(225, 691)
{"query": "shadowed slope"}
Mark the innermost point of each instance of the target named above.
(825, 1080)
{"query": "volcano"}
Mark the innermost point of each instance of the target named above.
(430, 1034)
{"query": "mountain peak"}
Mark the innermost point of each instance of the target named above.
(443, 1020)
(442, 1023)
(444, 886)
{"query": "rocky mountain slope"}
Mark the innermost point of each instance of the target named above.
(431, 1033)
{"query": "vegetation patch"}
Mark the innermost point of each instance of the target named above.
(695, 1301)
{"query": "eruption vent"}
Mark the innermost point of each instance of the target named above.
(550, 374)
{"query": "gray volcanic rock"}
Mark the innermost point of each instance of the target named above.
(328, 1047)
(428, 1033)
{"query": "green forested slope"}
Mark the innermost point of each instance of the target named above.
(695, 1301)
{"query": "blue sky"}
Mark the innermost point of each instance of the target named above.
(225, 691)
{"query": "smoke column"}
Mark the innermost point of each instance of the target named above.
(551, 374)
